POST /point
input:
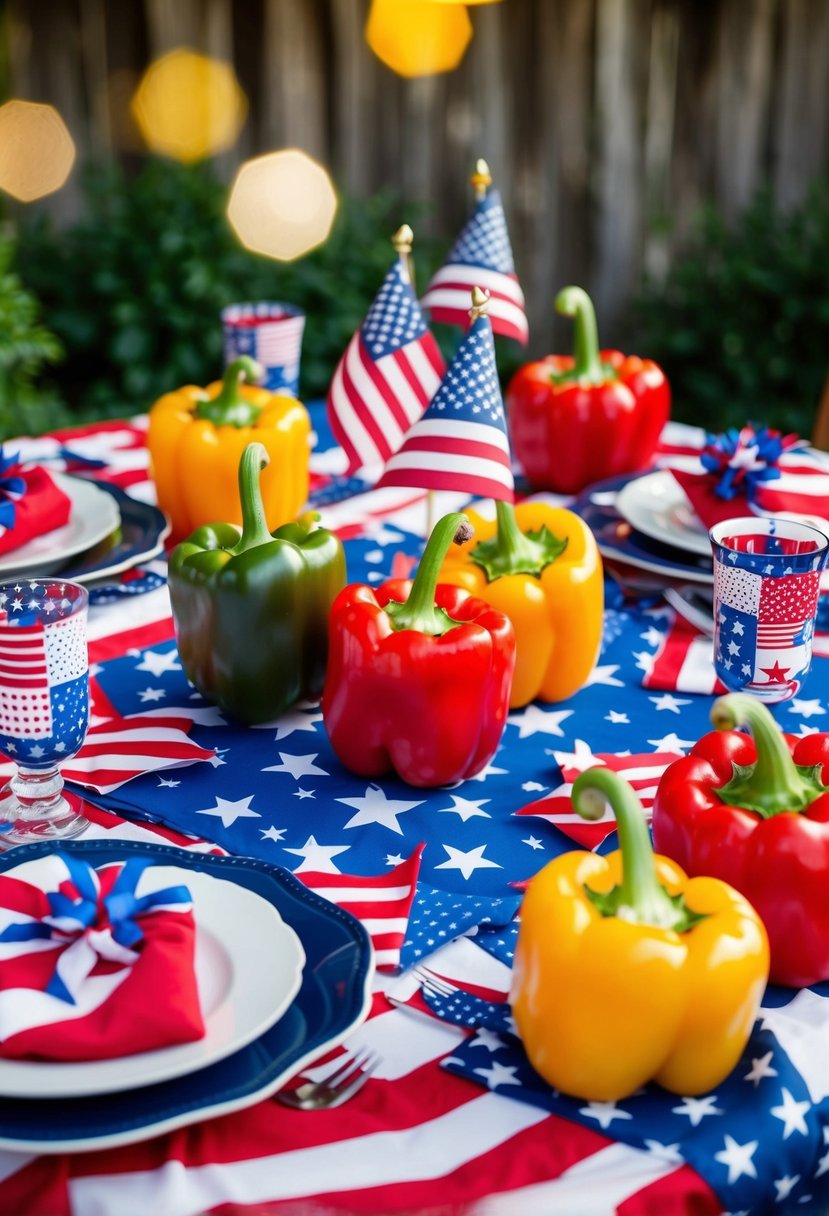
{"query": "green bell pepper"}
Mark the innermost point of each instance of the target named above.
(251, 607)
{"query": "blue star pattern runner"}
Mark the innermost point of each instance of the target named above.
(481, 257)
(387, 376)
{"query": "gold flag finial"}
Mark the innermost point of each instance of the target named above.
(402, 239)
(480, 303)
(481, 179)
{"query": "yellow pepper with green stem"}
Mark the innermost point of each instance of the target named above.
(196, 438)
(627, 971)
(539, 565)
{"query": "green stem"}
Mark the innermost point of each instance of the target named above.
(420, 611)
(576, 303)
(512, 551)
(639, 897)
(229, 407)
(774, 783)
(255, 529)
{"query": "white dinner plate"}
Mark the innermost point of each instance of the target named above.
(240, 999)
(94, 515)
(657, 505)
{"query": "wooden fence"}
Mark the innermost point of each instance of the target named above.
(607, 123)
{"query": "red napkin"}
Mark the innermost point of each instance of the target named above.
(89, 971)
(30, 504)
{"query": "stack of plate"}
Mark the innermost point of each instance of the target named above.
(283, 976)
(108, 532)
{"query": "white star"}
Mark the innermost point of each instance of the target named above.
(616, 717)
(229, 812)
(823, 1163)
(216, 761)
(468, 862)
(152, 694)
(489, 771)
(738, 1158)
(652, 637)
(806, 709)
(465, 809)
(671, 743)
(807, 730)
(297, 766)
(604, 1113)
(301, 793)
(791, 1115)
(167, 783)
(581, 758)
(318, 856)
(159, 664)
(784, 1186)
(760, 1068)
(60, 747)
(486, 1038)
(532, 787)
(272, 833)
(37, 751)
(668, 701)
(290, 722)
(665, 1152)
(375, 807)
(533, 720)
(644, 661)
(697, 1108)
(605, 675)
(533, 842)
(394, 859)
(498, 1074)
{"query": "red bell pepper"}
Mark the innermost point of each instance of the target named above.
(419, 675)
(753, 810)
(576, 419)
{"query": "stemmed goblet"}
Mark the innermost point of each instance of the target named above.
(44, 705)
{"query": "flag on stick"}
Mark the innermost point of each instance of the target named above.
(461, 442)
(387, 376)
(481, 257)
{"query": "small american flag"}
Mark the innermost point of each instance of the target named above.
(388, 375)
(481, 257)
(461, 442)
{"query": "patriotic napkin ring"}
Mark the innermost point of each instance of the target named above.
(92, 927)
(743, 460)
(12, 489)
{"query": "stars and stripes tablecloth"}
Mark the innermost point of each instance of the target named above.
(441, 1127)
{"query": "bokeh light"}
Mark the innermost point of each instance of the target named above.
(188, 106)
(36, 150)
(418, 37)
(282, 204)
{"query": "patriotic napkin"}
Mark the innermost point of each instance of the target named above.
(755, 471)
(91, 969)
(30, 503)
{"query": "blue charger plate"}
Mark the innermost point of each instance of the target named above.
(142, 534)
(333, 999)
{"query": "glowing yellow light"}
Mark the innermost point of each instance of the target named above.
(466, 3)
(36, 150)
(282, 204)
(188, 106)
(418, 37)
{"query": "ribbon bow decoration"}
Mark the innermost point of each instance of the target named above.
(94, 928)
(742, 460)
(12, 489)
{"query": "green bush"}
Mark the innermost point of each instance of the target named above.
(135, 288)
(26, 350)
(741, 325)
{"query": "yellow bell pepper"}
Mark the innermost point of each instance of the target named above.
(196, 438)
(539, 565)
(626, 970)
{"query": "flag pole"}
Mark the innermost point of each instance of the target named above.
(481, 179)
(402, 241)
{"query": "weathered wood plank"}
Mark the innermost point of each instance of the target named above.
(801, 113)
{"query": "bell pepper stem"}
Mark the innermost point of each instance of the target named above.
(243, 368)
(774, 783)
(576, 303)
(512, 551)
(229, 407)
(255, 530)
(420, 611)
(640, 897)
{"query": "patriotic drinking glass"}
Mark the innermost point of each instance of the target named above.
(44, 705)
(272, 335)
(766, 584)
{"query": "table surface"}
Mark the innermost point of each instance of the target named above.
(419, 1138)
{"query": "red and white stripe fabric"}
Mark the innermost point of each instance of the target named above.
(684, 662)
(641, 771)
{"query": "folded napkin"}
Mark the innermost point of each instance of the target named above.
(88, 969)
(30, 503)
(755, 472)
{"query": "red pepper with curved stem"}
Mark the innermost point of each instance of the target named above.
(419, 675)
(576, 419)
(753, 810)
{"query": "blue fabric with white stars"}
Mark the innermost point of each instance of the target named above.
(395, 318)
(470, 389)
(484, 240)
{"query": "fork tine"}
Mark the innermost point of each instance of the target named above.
(358, 1081)
(350, 1064)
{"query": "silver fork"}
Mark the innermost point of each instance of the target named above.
(433, 983)
(337, 1088)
